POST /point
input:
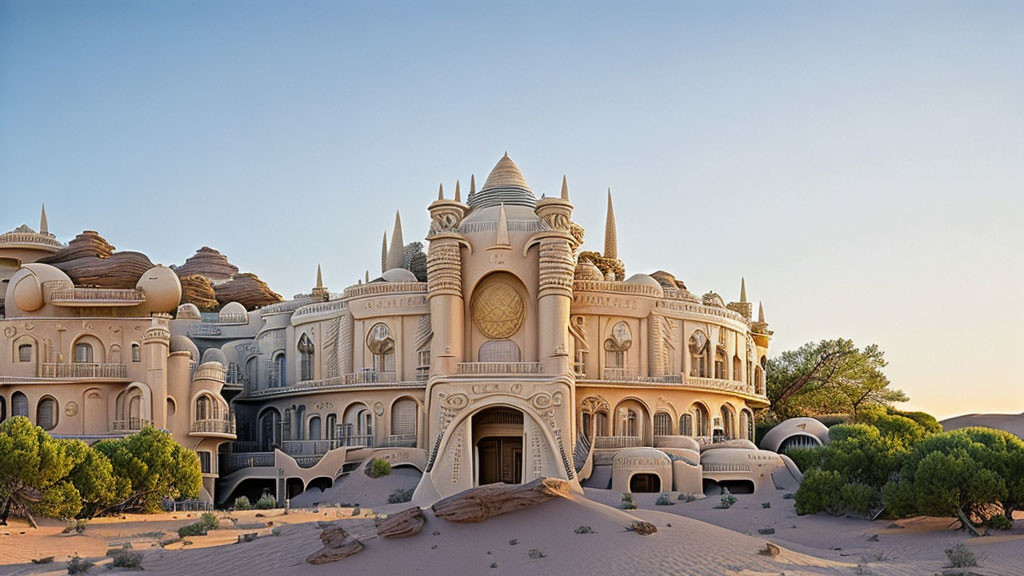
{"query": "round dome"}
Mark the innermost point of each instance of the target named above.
(232, 312)
(28, 294)
(180, 343)
(399, 275)
(505, 185)
(188, 311)
(645, 280)
(806, 431)
(587, 270)
(215, 355)
(161, 287)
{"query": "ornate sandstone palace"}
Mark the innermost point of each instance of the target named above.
(510, 354)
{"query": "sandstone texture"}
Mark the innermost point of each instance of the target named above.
(479, 504)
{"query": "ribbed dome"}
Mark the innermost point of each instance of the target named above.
(504, 185)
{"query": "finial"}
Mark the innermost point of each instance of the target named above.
(440, 191)
(502, 237)
(565, 189)
(367, 276)
(743, 290)
(611, 249)
(44, 228)
(396, 257)
(506, 154)
(472, 184)
(384, 254)
(760, 312)
(458, 193)
(319, 277)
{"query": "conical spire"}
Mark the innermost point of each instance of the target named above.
(384, 254)
(472, 184)
(760, 312)
(611, 247)
(395, 256)
(743, 290)
(44, 228)
(440, 191)
(319, 277)
(502, 238)
(367, 276)
(565, 189)
(458, 193)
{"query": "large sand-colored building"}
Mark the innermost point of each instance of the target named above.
(513, 355)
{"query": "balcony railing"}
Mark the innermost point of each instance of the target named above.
(29, 238)
(210, 372)
(319, 308)
(605, 442)
(84, 370)
(362, 378)
(491, 368)
(237, 461)
(131, 424)
(61, 291)
(400, 441)
(214, 426)
(380, 288)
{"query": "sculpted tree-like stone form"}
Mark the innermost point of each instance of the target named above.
(337, 545)
(479, 504)
(408, 522)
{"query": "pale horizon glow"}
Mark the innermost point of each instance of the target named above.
(860, 163)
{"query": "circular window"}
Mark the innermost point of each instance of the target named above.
(499, 311)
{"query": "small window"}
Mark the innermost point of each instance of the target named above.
(25, 353)
(205, 462)
(19, 404)
(83, 353)
(46, 414)
(136, 353)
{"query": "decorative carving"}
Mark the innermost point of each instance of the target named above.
(456, 401)
(378, 408)
(594, 404)
(444, 267)
(10, 331)
(70, 409)
(557, 268)
(499, 311)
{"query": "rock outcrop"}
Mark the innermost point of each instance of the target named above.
(479, 504)
(246, 289)
(227, 283)
(198, 290)
(667, 280)
(89, 260)
(210, 263)
(88, 243)
(337, 545)
(406, 523)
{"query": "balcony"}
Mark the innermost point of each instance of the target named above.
(355, 379)
(617, 442)
(65, 293)
(131, 424)
(84, 370)
(400, 441)
(498, 368)
(224, 426)
(382, 288)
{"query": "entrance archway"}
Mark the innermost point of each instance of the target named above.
(645, 483)
(498, 445)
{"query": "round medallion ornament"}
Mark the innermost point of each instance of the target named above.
(499, 311)
(70, 409)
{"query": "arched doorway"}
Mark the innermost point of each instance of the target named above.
(269, 429)
(645, 483)
(498, 442)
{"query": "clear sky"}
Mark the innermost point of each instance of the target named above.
(861, 164)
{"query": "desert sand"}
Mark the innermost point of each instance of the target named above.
(693, 538)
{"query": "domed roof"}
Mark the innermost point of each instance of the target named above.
(232, 312)
(587, 270)
(645, 280)
(161, 287)
(810, 427)
(215, 355)
(180, 343)
(504, 185)
(188, 311)
(399, 275)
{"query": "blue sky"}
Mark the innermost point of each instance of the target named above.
(860, 163)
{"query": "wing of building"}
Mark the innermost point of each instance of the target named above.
(502, 354)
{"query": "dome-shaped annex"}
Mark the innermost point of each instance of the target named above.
(161, 287)
(797, 432)
(504, 185)
(188, 311)
(645, 280)
(587, 270)
(180, 343)
(399, 275)
(233, 312)
(215, 355)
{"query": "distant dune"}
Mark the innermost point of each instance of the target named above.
(1012, 423)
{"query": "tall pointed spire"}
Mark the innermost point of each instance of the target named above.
(44, 227)
(565, 189)
(743, 290)
(472, 184)
(502, 237)
(319, 277)
(367, 276)
(384, 254)
(440, 191)
(611, 246)
(760, 312)
(396, 258)
(458, 193)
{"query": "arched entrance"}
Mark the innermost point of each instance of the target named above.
(269, 430)
(645, 483)
(498, 445)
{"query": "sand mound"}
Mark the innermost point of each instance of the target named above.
(358, 488)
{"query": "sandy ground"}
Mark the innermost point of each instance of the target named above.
(358, 488)
(693, 539)
(1012, 423)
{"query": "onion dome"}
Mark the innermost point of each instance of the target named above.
(215, 355)
(504, 185)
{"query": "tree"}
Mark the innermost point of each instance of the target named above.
(33, 468)
(829, 377)
(93, 476)
(149, 466)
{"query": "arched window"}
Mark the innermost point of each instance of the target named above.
(279, 363)
(332, 426)
(737, 369)
(586, 421)
(699, 355)
(269, 423)
(701, 420)
(720, 363)
(314, 428)
(601, 423)
(381, 345)
(3, 409)
(629, 422)
(728, 423)
(46, 413)
(19, 404)
(662, 424)
(616, 347)
(204, 409)
(747, 425)
(306, 356)
(25, 353)
(403, 419)
(115, 354)
(83, 353)
(171, 407)
(252, 373)
(759, 372)
(686, 424)
(136, 353)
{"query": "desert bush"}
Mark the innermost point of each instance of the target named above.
(209, 521)
(76, 526)
(727, 501)
(242, 503)
(78, 566)
(858, 499)
(266, 502)
(664, 500)
(400, 495)
(584, 530)
(149, 467)
(686, 497)
(627, 501)
(999, 522)
(819, 491)
(960, 556)
(193, 529)
(376, 468)
(766, 504)
(127, 559)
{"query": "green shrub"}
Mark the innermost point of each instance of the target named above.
(820, 490)
(194, 529)
(858, 499)
(727, 500)
(400, 495)
(804, 458)
(960, 556)
(266, 502)
(78, 565)
(627, 501)
(127, 559)
(999, 522)
(686, 497)
(209, 521)
(766, 504)
(664, 500)
(242, 503)
(376, 468)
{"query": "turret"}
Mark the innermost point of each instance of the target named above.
(611, 245)
(320, 292)
(557, 268)
(396, 257)
(444, 281)
(744, 308)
